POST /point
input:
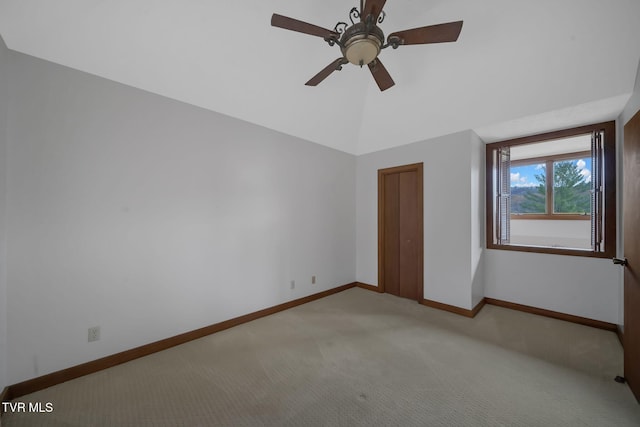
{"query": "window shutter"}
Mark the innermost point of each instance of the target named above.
(596, 190)
(503, 229)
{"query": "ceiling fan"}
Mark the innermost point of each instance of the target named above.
(362, 41)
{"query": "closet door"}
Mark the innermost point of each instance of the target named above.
(400, 235)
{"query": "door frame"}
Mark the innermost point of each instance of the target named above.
(414, 167)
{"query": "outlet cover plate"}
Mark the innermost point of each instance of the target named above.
(94, 333)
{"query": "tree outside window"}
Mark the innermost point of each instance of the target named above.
(571, 190)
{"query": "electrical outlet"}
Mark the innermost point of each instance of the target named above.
(94, 333)
(293, 284)
(313, 280)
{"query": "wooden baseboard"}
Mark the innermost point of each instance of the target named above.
(554, 314)
(478, 307)
(453, 309)
(620, 334)
(45, 381)
(369, 287)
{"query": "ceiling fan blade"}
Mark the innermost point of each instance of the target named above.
(440, 33)
(326, 71)
(372, 7)
(302, 27)
(380, 75)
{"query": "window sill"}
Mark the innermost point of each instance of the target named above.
(550, 250)
(561, 217)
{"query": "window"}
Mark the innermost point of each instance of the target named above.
(554, 193)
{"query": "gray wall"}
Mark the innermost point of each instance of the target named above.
(150, 217)
(3, 167)
(478, 214)
(453, 216)
(633, 105)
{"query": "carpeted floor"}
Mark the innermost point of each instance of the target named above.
(361, 358)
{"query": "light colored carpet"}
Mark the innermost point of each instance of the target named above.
(361, 358)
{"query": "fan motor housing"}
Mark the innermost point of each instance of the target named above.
(361, 45)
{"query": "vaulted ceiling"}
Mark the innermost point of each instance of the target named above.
(518, 66)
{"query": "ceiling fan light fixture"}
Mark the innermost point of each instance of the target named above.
(362, 51)
(361, 44)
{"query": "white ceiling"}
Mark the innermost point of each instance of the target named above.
(562, 62)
